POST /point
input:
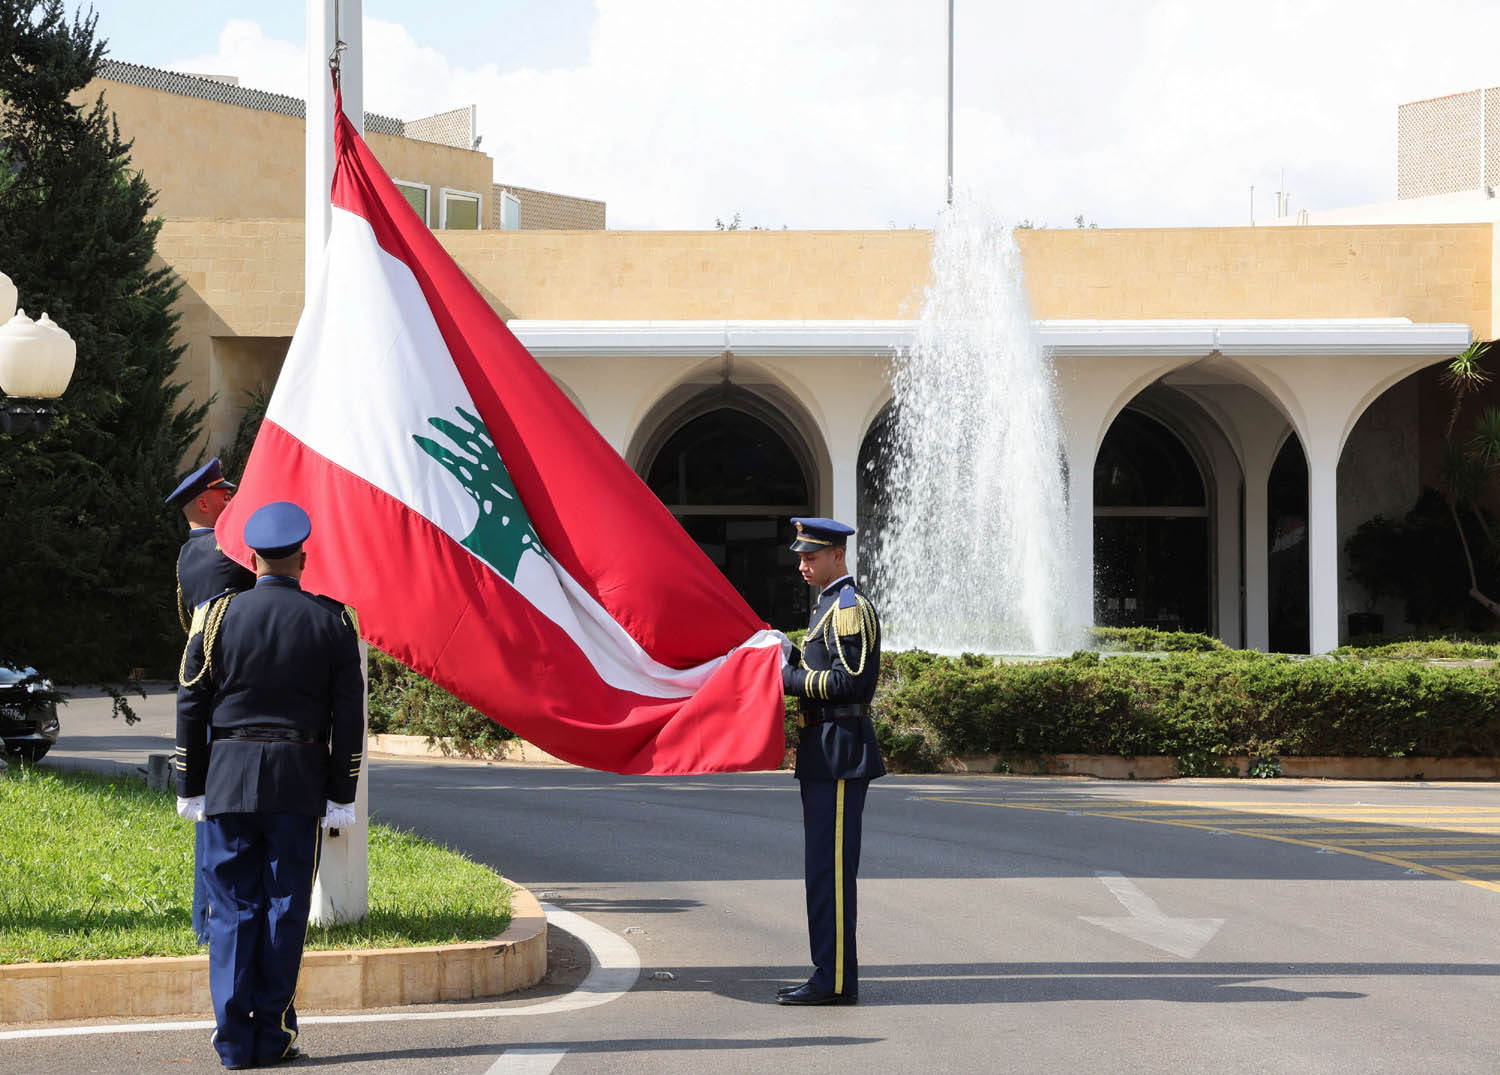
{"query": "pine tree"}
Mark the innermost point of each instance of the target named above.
(87, 551)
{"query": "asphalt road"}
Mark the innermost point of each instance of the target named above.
(1006, 924)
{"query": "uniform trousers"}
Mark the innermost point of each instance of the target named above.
(261, 869)
(832, 812)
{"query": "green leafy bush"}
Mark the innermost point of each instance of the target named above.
(1149, 640)
(1197, 707)
(405, 703)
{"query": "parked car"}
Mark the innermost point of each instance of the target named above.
(28, 712)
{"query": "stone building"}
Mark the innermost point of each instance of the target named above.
(1235, 400)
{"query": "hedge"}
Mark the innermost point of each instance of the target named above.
(1181, 695)
(405, 703)
(1197, 707)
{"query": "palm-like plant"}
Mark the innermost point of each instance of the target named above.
(1470, 465)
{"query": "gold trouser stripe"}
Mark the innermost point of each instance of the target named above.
(838, 892)
(317, 862)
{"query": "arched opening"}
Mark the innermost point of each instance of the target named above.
(733, 473)
(1286, 570)
(1152, 555)
(872, 501)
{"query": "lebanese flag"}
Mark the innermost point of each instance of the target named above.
(486, 534)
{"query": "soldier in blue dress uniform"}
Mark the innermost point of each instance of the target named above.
(837, 755)
(270, 728)
(203, 571)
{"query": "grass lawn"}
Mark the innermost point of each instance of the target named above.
(98, 868)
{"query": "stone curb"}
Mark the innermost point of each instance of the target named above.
(346, 980)
(416, 746)
(1164, 767)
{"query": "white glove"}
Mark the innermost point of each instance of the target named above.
(338, 815)
(190, 809)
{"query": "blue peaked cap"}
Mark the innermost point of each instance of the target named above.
(209, 476)
(277, 530)
(815, 534)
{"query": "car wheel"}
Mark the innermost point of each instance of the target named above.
(28, 751)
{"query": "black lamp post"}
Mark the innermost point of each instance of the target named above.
(36, 363)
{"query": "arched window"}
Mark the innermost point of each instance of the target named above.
(733, 480)
(1152, 561)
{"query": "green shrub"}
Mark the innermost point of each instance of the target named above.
(1199, 707)
(1149, 640)
(405, 703)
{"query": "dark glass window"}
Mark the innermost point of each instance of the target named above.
(1152, 562)
(715, 471)
(1142, 464)
(727, 457)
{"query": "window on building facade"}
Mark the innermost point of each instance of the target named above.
(418, 196)
(460, 210)
(510, 211)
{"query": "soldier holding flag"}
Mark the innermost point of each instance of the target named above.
(837, 755)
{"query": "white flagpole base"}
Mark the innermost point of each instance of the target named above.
(341, 892)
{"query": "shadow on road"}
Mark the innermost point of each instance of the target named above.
(1022, 983)
(604, 1047)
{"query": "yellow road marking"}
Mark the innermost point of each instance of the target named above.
(1241, 822)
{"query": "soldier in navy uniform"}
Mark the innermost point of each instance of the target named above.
(837, 755)
(203, 571)
(270, 728)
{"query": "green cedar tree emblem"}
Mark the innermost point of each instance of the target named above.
(503, 532)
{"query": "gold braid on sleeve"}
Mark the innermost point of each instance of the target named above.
(209, 624)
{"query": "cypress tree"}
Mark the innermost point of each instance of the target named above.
(87, 551)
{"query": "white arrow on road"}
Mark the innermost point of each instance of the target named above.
(1147, 922)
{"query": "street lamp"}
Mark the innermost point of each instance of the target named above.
(36, 363)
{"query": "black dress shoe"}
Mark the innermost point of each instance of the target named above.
(291, 1056)
(811, 994)
(782, 991)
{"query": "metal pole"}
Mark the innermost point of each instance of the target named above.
(950, 102)
(341, 892)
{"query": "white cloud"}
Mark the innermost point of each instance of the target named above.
(831, 113)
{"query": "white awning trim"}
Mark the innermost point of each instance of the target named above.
(855, 339)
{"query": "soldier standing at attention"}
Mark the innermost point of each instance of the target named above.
(202, 568)
(270, 731)
(203, 571)
(837, 755)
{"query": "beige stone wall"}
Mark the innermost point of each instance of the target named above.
(1427, 273)
(248, 273)
(1424, 272)
(209, 159)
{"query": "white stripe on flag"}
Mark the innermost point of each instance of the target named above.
(367, 369)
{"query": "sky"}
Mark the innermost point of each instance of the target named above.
(833, 113)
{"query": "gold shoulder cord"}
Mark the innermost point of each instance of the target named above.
(861, 620)
(182, 616)
(208, 621)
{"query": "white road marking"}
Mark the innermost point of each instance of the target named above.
(616, 966)
(1147, 922)
(526, 1062)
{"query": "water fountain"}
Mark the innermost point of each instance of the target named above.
(975, 552)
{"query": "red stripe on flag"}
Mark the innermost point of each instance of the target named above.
(430, 603)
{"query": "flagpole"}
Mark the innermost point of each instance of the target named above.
(950, 102)
(335, 36)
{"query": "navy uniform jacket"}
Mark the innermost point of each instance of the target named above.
(840, 664)
(280, 658)
(203, 571)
